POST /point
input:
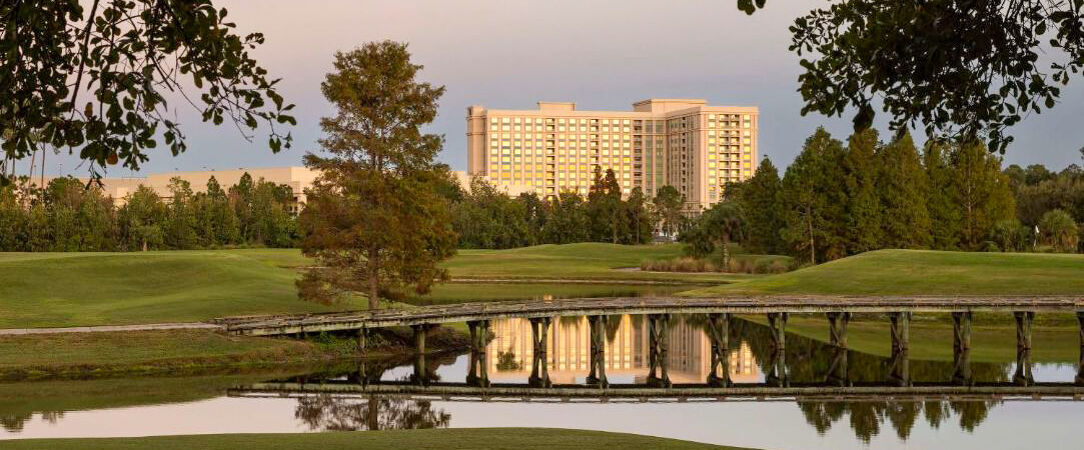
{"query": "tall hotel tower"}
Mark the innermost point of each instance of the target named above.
(684, 143)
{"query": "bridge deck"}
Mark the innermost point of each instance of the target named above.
(946, 391)
(462, 312)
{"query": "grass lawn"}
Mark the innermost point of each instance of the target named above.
(70, 289)
(922, 272)
(579, 261)
(82, 289)
(443, 439)
(90, 354)
(475, 292)
(933, 341)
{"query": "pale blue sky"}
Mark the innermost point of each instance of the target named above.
(509, 54)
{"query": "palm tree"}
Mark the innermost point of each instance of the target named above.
(724, 222)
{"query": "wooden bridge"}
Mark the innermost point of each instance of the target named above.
(837, 310)
(677, 393)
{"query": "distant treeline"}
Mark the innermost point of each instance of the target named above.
(68, 216)
(840, 199)
(485, 217)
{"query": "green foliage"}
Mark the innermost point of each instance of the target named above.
(68, 216)
(487, 218)
(864, 215)
(716, 228)
(669, 205)
(812, 200)
(969, 67)
(1036, 196)
(903, 189)
(1011, 236)
(759, 198)
(983, 191)
(376, 220)
(1057, 229)
(95, 79)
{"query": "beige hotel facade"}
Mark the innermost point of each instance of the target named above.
(684, 143)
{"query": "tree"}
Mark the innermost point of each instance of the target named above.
(669, 204)
(96, 79)
(903, 188)
(638, 218)
(142, 218)
(942, 198)
(863, 205)
(241, 196)
(567, 221)
(759, 200)
(1010, 235)
(180, 231)
(604, 207)
(982, 190)
(1058, 230)
(904, 54)
(375, 220)
(812, 199)
(717, 227)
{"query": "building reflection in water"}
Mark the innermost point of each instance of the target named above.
(510, 354)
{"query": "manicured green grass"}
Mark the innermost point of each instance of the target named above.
(442, 439)
(73, 289)
(933, 341)
(477, 292)
(579, 261)
(90, 354)
(82, 289)
(920, 272)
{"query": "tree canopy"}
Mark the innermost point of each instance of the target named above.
(955, 67)
(96, 80)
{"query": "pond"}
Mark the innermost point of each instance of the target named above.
(228, 402)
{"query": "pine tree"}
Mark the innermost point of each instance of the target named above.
(941, 197)
(984, 193)
(376, 220)
(813, 200)
(759, 200)
(863, 205)
(902, 187)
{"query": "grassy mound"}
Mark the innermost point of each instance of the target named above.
(70, 289)
(922, 272)
(443, 439)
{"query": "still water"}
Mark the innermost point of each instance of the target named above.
(155, 406)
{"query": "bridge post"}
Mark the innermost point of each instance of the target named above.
(1023, 375)
(479, 332)
(837, 328)
(776, 374)
(598, 351)
(540, 376)
(1080, 365)
(719, 334)
(778, 324)
(838, 372)
(961, 347)
(659, 349)
(421, 372)
(901, 330)
(899, 370)
(363, 339)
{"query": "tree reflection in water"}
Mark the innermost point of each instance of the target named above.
(14, 423)
(867, 417)
(327, 413)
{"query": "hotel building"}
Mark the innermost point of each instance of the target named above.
(556, 148)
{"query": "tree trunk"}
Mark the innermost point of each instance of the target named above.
(726, 254)
(144, 244)
(374, 280)
(812, 241)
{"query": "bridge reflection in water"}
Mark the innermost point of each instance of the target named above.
(510, 355)
(828, 383)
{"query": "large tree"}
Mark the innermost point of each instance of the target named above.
(812, 200)
(983, 191)
(669, 204)
(759, 200)
(970, 67)
(94, 77)
(863, 205)
(902, 187)
(375, 219)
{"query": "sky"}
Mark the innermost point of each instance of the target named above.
(508, 54)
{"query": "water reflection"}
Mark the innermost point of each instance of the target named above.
(510, 354)
(328, 413)
(509, 357)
